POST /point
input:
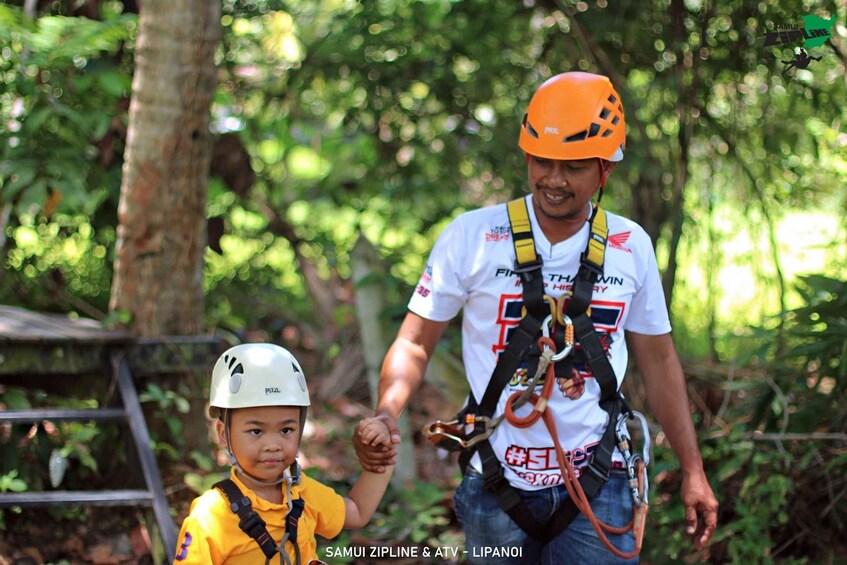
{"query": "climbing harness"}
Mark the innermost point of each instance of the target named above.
(252, 524)
(542, 313)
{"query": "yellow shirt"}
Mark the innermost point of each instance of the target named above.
(210, 533)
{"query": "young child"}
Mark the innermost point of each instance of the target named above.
(259, 398)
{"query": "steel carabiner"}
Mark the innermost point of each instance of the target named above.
(569, 336)
(569, 339)
(639, 485)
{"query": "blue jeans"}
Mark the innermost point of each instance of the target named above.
(492, 537)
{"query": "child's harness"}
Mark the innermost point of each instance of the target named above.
(252, 524)
(545, 314)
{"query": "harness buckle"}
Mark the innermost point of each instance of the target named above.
(527, 267)
(251, 521)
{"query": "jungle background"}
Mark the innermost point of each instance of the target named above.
(278, 170)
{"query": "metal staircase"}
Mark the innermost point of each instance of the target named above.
(128, 414)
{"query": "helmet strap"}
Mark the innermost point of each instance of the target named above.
(605, 168)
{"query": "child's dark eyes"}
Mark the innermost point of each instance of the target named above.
(256, 432)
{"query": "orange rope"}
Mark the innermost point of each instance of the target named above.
(569, 476)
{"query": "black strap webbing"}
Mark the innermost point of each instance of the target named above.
(528, 266)
(249, 521)
(297, 506)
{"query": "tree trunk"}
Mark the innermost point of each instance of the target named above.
(162, 218)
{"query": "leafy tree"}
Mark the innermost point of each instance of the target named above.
(64, 84)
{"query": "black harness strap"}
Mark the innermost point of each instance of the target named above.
(249, 521)
(528, 266)
(297, 506)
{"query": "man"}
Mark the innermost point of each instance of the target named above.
(573, 135)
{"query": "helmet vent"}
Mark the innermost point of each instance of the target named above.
(577, 136)
(235, 374)
(531, 130)
(301, 379)
(604, 113)
(612, 99)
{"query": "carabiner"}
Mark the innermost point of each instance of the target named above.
(645, 435)
(569, 339)
(638, 485)
(569, 336)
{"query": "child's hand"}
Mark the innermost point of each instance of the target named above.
(376, 457)
(374, 432)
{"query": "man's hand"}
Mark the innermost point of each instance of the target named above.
(701, 509)
(375, 457)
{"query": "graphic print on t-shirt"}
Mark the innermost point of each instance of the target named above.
(534, 464)
(606, 316)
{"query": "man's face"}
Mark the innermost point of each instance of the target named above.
(561, 189)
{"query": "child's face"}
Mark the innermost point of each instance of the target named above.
(263, 439)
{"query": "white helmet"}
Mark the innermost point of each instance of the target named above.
(256, 374)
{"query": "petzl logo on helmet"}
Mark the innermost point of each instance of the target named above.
(235, 374)
(272, 390)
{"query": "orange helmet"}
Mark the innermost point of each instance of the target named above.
(574, 116)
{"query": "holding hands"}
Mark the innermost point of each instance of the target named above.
(374, 440)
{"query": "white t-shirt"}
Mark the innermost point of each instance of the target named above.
(470, 269)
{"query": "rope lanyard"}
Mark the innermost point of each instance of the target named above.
(569, 476)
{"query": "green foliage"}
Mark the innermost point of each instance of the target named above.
(61, 95)
(778, 467)
(416, 515)
(201, 483)
(62, 260)
(9, 482)
(86, 448)
(166, 405)
(809, 366)
(392, 117)
(62, 83)
(408, 516)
